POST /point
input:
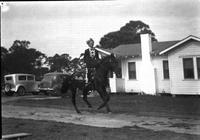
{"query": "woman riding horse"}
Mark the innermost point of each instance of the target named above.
(108, 63)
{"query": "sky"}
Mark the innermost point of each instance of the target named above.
(65, 26)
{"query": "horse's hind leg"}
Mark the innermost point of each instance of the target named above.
(108, 108)
(85, 92)
(105, 97)
(74, 100)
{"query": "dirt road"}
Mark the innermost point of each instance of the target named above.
(188, 126)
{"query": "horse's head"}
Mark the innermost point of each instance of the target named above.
(111, 62)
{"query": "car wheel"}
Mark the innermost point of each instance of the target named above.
(9, 93)
(7, 89)
(21, 91)
(55, 92)
(35, 93)
(46, 93)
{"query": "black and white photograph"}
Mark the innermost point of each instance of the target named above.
(100, 70)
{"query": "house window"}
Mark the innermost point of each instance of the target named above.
(119, 72)
(165, 69)
(188, 68)
(198, 67)
(132, 70)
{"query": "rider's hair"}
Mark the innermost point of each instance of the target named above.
(88, 41)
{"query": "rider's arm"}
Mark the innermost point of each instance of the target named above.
(97, 54)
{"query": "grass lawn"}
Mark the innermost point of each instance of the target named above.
(47, 130)
(128, 104)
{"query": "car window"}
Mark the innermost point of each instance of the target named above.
(30, 77)
(22, 77)
(9, 78)
(64, 77)
(59, 77)
(48, 77)
(54, 77)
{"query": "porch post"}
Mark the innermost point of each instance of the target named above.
(112, 82)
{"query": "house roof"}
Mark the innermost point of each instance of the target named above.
(135, 49)
(191, 37)
(158, 48)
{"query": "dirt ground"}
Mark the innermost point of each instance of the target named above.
(173, 124)
(51, 130)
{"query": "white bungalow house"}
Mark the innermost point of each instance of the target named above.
(158, 67)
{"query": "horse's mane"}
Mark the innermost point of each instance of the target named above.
(104, 59)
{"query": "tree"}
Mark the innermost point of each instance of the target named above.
(78, 67)
(22, 59)
(130, 33)
(59, 63)
(4, 53)
(39, 72)
(64, 63)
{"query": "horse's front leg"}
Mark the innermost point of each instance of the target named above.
(74, 100)
(85, 92)
(105, 97)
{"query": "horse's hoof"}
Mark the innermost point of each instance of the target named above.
(109, 112)
(78, 112)
(89, 106)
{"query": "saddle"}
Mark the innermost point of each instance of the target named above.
(93, 71)
(91, 78)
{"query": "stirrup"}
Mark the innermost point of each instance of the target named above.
(88, 83)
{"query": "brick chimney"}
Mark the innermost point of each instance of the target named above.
(148, 82)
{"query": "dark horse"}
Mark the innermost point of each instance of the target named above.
(99, 84)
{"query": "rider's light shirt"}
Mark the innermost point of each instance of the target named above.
(92, 52)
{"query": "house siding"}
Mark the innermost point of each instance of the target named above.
(120, 85)
(131, 85)
(162, 85)
(178, 84)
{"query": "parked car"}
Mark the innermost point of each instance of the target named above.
(52, 83)
(20, 84)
